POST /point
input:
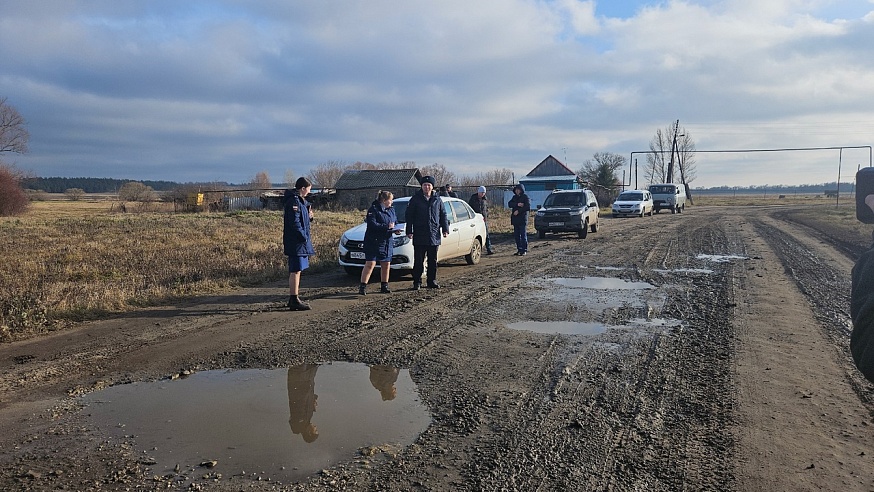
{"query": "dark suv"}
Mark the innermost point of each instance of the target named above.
(567, 211)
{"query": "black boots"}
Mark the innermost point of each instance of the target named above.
(384, 288)
(362, 289)
(295, 304)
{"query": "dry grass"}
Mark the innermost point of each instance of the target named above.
(68, 261)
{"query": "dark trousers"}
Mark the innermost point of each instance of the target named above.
(520, 233)
(419, 253)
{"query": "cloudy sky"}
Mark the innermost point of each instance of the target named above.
(220, 90)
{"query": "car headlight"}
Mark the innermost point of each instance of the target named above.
(577, 212)
(539, 213)
(400, 240)
(343, 240)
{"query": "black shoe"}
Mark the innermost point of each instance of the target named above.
(295, 304)
(523, 253)
(490, 252)
(517, 253)
(362, 290)
(417, 285)
(384, 289)
(433, 285)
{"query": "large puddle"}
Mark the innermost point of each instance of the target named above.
(599, 293)
(588, 328)
(283, 424)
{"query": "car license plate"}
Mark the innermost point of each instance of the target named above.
(556, 224)
(356, 255)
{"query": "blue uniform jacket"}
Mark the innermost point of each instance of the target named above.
(296, 240)
(378, 237)
(426, 217)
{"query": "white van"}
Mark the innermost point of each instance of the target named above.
(668, 196)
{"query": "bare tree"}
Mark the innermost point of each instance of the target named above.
(600, 173)
(289, 178)
(492, 177)
(133, 191)
(13, 134)
(326, 174)
(74, 194)
(261, 181)
(656, 165)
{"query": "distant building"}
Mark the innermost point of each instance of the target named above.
(550, 174)
(358, 187)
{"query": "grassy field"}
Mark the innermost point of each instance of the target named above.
(67, 261)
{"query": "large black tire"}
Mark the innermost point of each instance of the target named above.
(541, 234)
(674, 209)
(582, 233)
(476, 252)
(593, 227)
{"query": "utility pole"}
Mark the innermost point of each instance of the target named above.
(673, 148)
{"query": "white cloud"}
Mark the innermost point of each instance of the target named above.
(170, 90)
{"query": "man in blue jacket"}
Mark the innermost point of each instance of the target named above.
(426, 217)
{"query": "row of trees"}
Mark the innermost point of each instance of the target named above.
(326, 174)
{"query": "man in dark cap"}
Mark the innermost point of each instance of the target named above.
(426, 217)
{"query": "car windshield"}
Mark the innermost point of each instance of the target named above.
(630, 197)
(661, 189)
(564, 200)
(401, 210)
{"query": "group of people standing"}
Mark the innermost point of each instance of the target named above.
(426, 225)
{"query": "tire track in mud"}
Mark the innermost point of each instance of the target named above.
(826, 289)
(614, 429)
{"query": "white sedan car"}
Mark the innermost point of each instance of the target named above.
(467, 233)
(633, 202)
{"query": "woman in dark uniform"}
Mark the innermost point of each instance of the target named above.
(378, 242)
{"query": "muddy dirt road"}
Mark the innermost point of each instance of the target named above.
(717, 360)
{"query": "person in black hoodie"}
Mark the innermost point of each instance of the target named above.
(520, 205)
(296, 241)
(425, 218)
(862, 310)
(378, 242)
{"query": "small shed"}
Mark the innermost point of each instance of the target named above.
(550, 174)
(358, 187)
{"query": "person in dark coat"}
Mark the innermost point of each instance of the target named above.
(426, 218)
(449, 191)
(378, 241)
(296, 240)
(480, 204)
(520, 205)
(862, 310)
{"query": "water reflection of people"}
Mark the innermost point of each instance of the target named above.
(302, 400)
(383, 379)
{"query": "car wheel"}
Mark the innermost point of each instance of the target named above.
(615, 215)
(541, 234)
(352, 271)
(674, 209)
(476, 252)
(594, 227)
(582, 233)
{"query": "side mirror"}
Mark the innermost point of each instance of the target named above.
(593, 204)
(538, 206)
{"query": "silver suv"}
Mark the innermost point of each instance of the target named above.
(567, 211)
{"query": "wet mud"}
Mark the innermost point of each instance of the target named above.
(635, 387)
